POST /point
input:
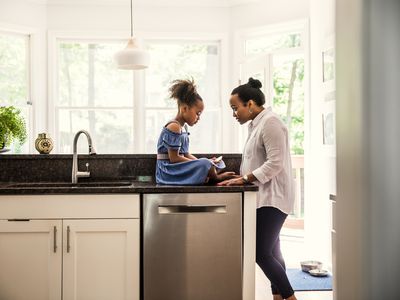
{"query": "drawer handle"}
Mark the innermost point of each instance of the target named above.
(68, 242)
(184, 209)
(55, 239)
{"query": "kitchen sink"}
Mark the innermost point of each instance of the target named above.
(99, 183)
(106, 184)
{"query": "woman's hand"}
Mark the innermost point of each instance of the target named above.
(234, 181)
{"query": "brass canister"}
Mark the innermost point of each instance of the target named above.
(43, 143)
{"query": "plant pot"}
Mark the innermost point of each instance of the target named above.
(3, 147)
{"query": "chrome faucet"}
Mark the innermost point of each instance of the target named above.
(75, 172)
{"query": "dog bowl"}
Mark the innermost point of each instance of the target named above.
(308, 265)
(319, 272)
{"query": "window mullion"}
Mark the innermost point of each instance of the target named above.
(139, 119)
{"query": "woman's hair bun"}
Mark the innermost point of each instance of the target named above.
(254, 83)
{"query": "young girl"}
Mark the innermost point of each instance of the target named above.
(175, 165)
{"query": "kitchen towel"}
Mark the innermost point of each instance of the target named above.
(302, 281)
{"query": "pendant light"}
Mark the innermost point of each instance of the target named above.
(132, 57)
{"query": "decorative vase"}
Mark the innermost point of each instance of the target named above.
(43, 143)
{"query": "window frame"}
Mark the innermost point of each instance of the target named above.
(139, 105)
(54, 38)
(215, 108)
(58, 108)
(301, 26)
(32, 58)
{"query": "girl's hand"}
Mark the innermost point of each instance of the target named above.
(234, 181)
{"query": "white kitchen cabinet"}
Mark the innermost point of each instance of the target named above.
(101, 259)
(68, 257)
(30, 259)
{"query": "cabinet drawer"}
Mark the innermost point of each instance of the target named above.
(103, 206)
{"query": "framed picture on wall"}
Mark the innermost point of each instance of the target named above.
(328, 128)
(329, 124)
(328, 65)
(328, 107)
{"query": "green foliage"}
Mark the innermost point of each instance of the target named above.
(282, 90)
(12, 126)
(13, 69)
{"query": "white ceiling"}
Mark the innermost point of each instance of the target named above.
(206, 3)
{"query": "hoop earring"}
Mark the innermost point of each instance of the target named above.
(250, 111)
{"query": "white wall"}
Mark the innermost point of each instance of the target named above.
(22, 13)
(320, 164)
(266, 12)
(146, 18)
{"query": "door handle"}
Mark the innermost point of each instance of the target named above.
(68, 242)
(55, 239)
(184, 209)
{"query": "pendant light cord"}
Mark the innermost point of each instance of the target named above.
(131, 20)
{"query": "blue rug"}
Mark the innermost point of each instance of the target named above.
(302, 281)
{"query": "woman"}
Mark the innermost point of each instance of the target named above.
(266, 162)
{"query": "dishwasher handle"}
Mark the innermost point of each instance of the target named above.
(188, 209)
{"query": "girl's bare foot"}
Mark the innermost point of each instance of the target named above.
(225, 175)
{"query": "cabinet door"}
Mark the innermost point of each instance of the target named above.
(101, 259)
(30, 259)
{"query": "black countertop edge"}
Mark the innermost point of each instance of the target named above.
(104, 156)
(140, 189)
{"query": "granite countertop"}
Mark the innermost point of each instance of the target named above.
(109, 174)
(44, 188)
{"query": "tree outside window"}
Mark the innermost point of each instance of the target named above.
(14, 78)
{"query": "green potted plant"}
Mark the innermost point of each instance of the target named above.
(12, 126)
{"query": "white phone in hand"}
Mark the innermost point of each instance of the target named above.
(218, 159)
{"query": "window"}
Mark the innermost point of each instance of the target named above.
(272, 42)
(93, 95)
(122, 112)
(14, 78)
(181, 60)
(288, 96)
(287, 75)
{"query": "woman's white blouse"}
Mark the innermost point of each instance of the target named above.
(266, 154)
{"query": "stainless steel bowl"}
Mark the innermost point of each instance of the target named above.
(308, 265)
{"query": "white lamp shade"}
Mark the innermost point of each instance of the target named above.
(132, 57)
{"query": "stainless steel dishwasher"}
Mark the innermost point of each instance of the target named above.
(192, 246)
